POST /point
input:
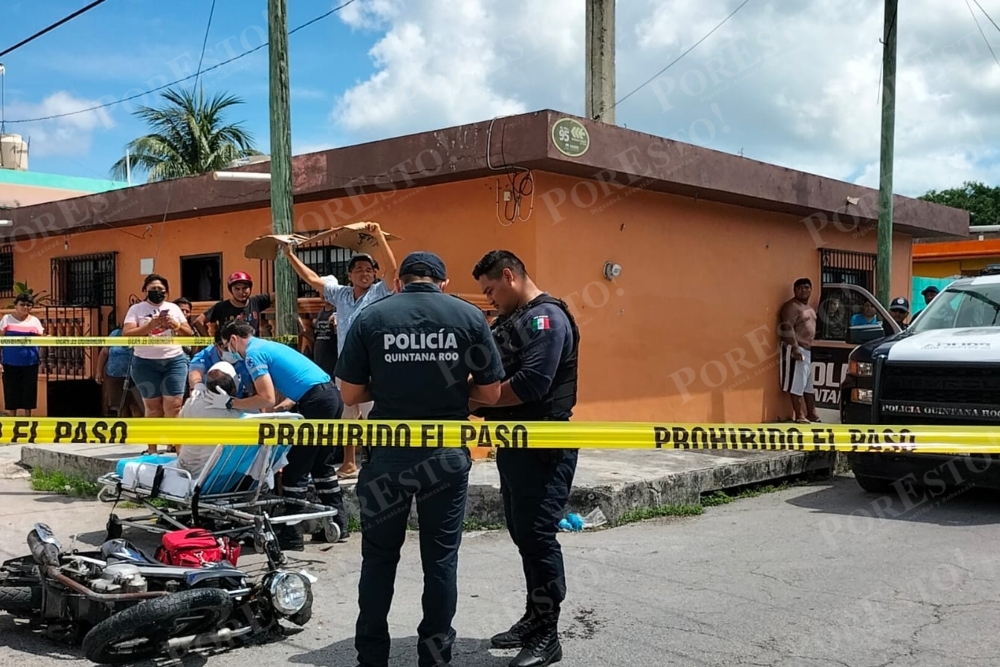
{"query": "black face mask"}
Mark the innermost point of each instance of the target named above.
(156, 296)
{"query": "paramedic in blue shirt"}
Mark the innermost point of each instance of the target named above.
(394, 354)
(275, 368)
(349, 301)
(538, 342)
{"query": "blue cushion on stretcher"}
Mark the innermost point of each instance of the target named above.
(234, 462)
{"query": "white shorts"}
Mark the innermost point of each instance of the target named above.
(796, 374)
(359, 411)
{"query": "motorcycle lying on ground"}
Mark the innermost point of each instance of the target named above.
(126, 606)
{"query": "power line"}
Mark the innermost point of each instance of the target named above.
(674, 62)
(981, 30)
(190, 76)
(987, 15)
(204, 43)
(51, 27)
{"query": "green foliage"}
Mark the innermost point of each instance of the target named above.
(40, 298)
(189, 137)
(980, 200)
(63, 484)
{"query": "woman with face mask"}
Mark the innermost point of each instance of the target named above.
(159, 371)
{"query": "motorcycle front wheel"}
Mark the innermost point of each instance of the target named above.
(144, 630)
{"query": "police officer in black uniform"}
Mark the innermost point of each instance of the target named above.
(538, 340)
(413, 353)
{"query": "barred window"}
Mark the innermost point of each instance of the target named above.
(84, 280)
(325, 260)
(6, 271)
(845, 266)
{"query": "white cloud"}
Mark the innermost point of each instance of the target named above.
(795, 83)
(66, 136)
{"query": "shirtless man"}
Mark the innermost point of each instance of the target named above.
(797, 331)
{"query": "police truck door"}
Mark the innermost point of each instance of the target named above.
(838, 303)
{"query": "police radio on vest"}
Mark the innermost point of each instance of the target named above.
(437, 340)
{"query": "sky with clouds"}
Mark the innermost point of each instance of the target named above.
(783, 81)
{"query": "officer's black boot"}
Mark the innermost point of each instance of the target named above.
(514, 637)
(541, 647)
(289, 538)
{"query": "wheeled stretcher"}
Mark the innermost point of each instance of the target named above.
(233, 494)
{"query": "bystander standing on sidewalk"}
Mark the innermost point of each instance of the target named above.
(20, 364)
(349, 301)
(160, 371)
(113, 364)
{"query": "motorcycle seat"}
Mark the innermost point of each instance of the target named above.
(123, 551)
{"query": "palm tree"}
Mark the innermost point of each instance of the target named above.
(189, 137)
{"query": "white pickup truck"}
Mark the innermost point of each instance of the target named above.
(944, 369)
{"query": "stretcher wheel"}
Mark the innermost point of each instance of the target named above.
(114, 527)
(331, 530)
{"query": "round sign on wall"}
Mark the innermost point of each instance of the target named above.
(570, 137)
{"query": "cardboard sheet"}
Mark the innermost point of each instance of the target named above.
(353, 237)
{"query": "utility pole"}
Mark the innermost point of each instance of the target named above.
(600, 76)
(285, 284)
(883, 264)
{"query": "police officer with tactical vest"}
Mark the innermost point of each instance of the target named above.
(538, 341)
(394, 354)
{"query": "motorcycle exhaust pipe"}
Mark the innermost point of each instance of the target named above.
(100, 597)
(45, 554)
(218, 637)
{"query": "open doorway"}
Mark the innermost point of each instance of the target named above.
(201, 277)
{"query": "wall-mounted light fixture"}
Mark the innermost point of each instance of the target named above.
(612, 270)
(6, 223)
(239, 176)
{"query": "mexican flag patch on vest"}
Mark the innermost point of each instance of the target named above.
(540, 323)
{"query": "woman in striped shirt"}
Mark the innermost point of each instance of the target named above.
(20, 364)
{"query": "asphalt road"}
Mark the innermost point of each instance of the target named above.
(813, 576)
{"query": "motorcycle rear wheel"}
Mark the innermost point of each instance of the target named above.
(158, 620)
(21, 601)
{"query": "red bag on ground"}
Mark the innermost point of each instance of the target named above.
(195, 547)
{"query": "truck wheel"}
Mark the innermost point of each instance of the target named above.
(873, 484)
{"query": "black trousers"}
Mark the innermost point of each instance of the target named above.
(321, 402)
(535, 485)
(387, 485)
(20, 387)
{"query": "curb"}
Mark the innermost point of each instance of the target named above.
(485, 504)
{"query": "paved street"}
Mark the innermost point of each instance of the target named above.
(807, 577)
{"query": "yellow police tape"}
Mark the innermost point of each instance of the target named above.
(523, 435)
(116, 341)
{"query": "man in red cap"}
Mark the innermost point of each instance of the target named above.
(240, 306)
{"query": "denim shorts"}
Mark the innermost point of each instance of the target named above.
(160, 377)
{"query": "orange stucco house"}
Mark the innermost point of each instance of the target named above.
(674, 258)
(955, 259)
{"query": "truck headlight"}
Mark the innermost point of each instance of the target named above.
(289, 593)
(861, 368)
(861, 396)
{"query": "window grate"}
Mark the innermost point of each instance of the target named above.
(847, 266)
(6, 271)
(324, 258)
(84, 280)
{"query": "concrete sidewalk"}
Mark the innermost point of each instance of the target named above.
(616, 481)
